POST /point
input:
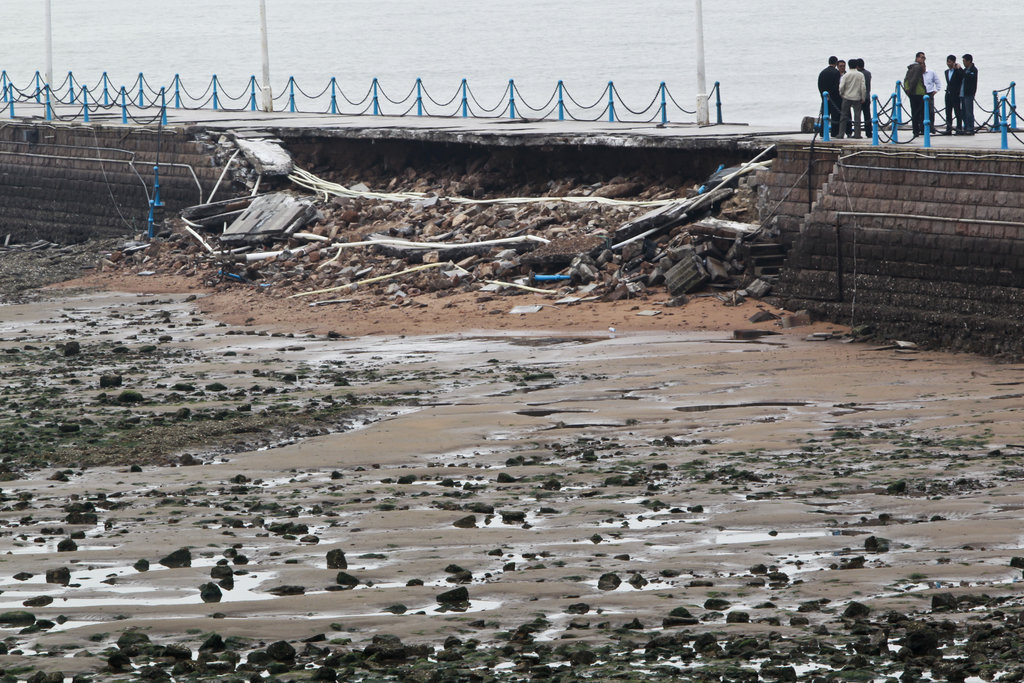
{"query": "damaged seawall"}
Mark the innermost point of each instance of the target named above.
(921, 245)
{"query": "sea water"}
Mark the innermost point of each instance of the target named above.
(765, 54)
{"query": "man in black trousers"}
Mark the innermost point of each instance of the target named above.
(954, 81)
(968, 91)
(828, 81)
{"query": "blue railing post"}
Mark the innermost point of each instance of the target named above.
(85, 104)
(71, 87)
(376, 102)
(10, 97)
(718, 101)
(124, 105)
(826, 120)
(511, 98)
(334, 95)
(1013, 105)
(155, 202)
(106, 93)
(611, 102)
(465, 99)
(3, 85)
(874, 120)
(216, 99)
(561, 102)
(895, 120)
(142, 99)
(928, 121)
(49, 109)
(177, 91)
(995, 106)
(1004, 143)
(419, 97)
(664, 103)
(899, 103)
(291, 94)
(39, 89)
(252, 93)
(163, 107)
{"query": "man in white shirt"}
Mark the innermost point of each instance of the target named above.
(853, 91)
(932, 85)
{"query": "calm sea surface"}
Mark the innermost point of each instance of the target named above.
(765, 54)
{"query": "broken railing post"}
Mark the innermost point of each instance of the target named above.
(10, 97)
(896, 119)
(561, 102)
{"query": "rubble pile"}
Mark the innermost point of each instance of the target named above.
(609, 241)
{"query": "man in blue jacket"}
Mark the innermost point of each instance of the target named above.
(968, 89)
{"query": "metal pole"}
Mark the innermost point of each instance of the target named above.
(927, 121)
(874, 120)
(826, 121)
(267, 95)
(49, 42)
(703, 118)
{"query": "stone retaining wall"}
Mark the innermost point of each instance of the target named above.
(923, 246)
(68, 183)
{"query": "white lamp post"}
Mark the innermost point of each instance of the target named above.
(49, 45)
(703, 118)
(266, 94)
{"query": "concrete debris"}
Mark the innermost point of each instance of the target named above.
(798, 319)
(269, 217)
(266, 156)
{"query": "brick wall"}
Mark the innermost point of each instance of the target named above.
(927, 247)
(67, 183)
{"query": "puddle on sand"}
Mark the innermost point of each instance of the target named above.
(730, 536)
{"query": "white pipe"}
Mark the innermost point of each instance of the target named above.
(703, 117)
(209, 200)
(266, 94)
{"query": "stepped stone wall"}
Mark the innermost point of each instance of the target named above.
(926, 247)
(69, 183)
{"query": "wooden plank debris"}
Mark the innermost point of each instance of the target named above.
(269, 217)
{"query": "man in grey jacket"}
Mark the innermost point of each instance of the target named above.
(853, 90)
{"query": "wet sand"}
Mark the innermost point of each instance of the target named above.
(689, 465)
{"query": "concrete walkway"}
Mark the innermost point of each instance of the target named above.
(498, 131)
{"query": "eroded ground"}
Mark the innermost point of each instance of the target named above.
(669, 505)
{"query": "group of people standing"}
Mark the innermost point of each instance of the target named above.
(848, 92)
(849, 96)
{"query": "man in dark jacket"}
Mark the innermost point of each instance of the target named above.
(866, 107)
(913, 84)
(954, 80)
(968, 89)
(828, 81)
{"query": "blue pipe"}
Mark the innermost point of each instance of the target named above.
(826, 121)
(511, 99)
(106, 94)
(177, 91)
(611, 102)
(49, 110)
(71, 87)
(549, 278)
(895, 122)
(561, 102)
(163, 107)
(664, 103)
(3, 85)
(39, 90)
(252, 93)
(216, 99)
(927, 121)
(1004, 143)
(465, 99)
(10, 97)
(718, 101)
(874, 120)
(1013, 105)
(155, 202)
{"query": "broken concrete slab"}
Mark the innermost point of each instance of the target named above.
(266, 155)
(269, 217)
